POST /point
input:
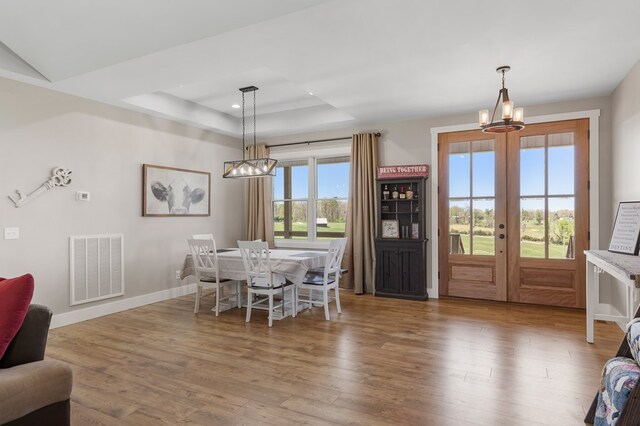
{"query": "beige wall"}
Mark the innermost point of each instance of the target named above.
(105, 147)
(625, 173)
(409, 142)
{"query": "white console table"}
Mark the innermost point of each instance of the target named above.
(623, 267)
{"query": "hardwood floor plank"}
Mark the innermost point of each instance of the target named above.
(382, 361)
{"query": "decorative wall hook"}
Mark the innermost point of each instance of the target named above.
(59, 177)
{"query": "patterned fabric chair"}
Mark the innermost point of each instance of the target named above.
(618, 399)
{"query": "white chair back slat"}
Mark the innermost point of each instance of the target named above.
(202, 236)
(205, 259)
(257, 263)
(335, 253)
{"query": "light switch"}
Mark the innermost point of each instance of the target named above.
(11, 233)
(83, 196)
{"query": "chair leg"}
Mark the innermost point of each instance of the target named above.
(218, 289)
(325, 294)
(337, 292)
(249, 303)
(271, 309)
(310, 297)
(198, 294)
(239, 293)
(294, 300)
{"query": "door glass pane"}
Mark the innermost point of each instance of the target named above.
(561, 161)
(532, 171)
(484, 168)
(532, 227)
(561, 222)
(484, 227)
(459, 169)
(459, 227)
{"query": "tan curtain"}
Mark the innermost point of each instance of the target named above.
(359, 257)
(259, 223)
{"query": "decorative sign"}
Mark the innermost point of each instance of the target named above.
(625, 237)
(392, 172)
(390, 229)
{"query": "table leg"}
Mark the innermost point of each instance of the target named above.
(592, 299)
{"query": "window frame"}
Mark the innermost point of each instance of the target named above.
(311, 155)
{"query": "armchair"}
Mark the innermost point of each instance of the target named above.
(33, 390)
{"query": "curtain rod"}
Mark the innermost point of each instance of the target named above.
(315, 141)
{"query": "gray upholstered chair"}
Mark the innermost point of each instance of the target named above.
(34, 390)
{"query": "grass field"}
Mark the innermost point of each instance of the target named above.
(302, 227)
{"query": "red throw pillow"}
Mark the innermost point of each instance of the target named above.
(15, 297)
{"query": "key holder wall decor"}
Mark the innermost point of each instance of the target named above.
(59, 177)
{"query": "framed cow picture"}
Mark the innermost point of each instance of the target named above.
(168, 191)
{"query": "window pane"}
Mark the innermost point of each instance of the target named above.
(532, 227)
(331, 218)
(561, 228)
(278, 184)
(459, 227)
(459, 170)
(333, 177)
(299, 182)
(484, 227)
(484, 168)
(532, 165)
(278, 219)
(561, 160)
(290, 219)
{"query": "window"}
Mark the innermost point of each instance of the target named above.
(310, 198)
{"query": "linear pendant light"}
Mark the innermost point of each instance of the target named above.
(249, 168)
(512, 119)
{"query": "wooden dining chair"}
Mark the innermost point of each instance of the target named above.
(261, 281)
(205, 262)
(329, 280)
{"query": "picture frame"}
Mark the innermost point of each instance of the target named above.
(175, 192)
(415, 231)
(625, 235)
(390, 229)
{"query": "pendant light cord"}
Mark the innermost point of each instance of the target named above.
(243, 148)
(254, 123)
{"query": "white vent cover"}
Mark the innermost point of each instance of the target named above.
(97, 267)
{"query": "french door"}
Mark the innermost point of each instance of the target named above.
(514, 214)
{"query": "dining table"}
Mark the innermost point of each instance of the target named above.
(291, 264)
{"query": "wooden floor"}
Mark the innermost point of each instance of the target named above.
(383, 361)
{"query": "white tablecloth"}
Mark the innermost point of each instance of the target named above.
(293, 264)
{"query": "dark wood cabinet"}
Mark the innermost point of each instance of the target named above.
(401, 263)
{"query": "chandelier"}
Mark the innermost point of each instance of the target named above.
(249, 168)
(512, 119)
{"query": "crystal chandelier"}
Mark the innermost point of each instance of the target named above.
(249, 168)
(512, 119)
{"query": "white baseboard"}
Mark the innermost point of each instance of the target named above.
(60, 320)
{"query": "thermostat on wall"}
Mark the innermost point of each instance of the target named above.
(82, 196)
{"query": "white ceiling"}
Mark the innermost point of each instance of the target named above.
(364, 60)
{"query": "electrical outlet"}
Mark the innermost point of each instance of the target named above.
(178, 275)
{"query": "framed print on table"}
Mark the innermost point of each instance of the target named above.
(390, 229)
(169, 191)
(625, 237)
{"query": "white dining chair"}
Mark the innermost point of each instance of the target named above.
(262, 282)
(205, 262)
(329, 280)
(202, 236)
